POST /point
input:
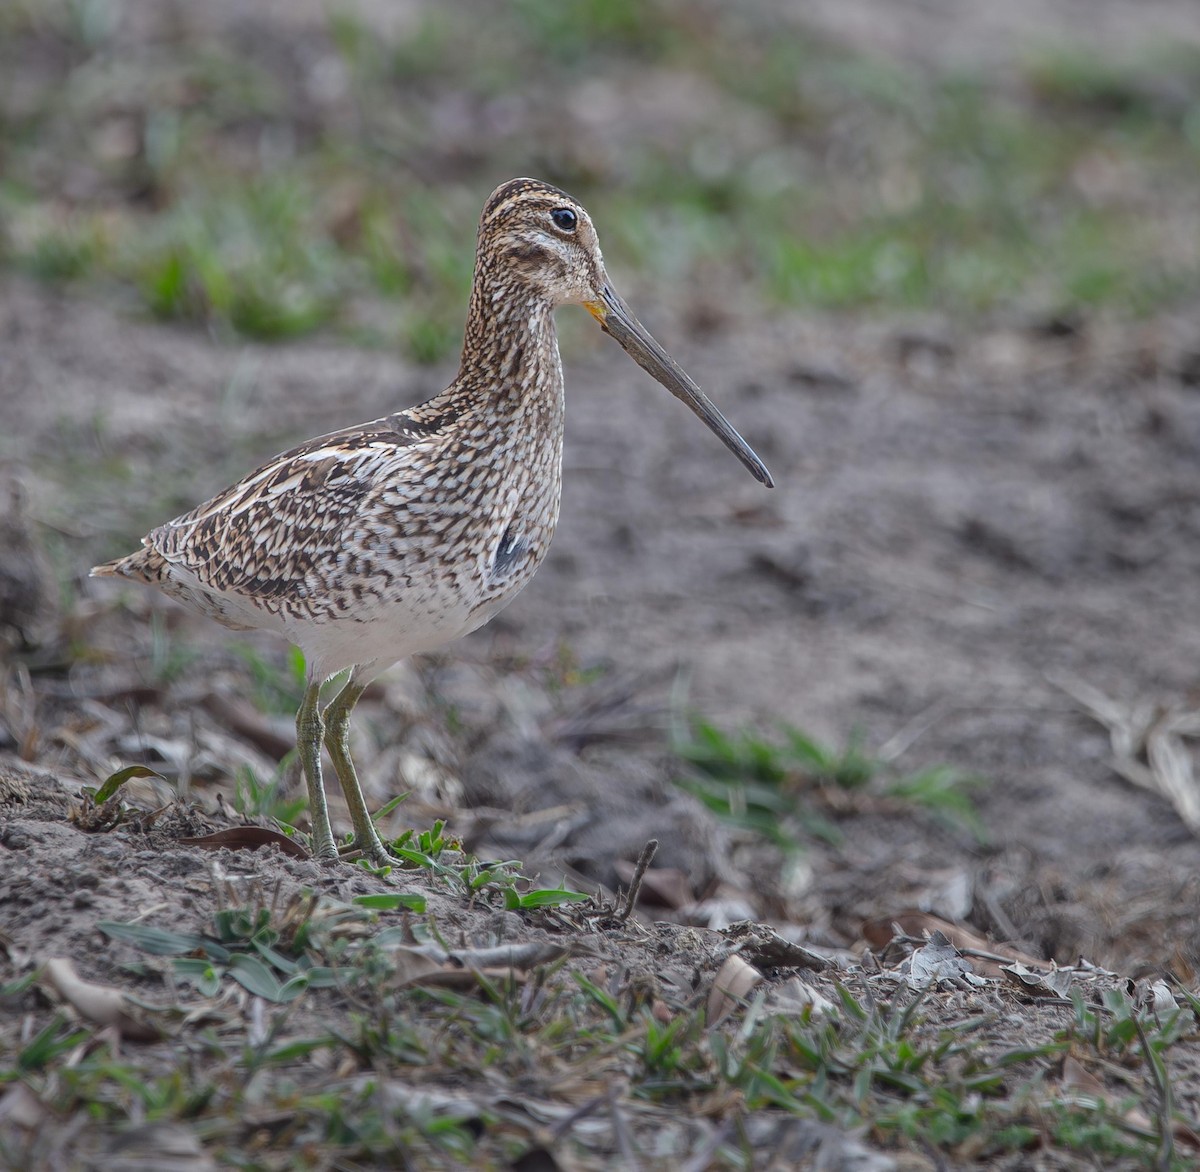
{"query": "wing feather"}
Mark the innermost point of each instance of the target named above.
(289, 525)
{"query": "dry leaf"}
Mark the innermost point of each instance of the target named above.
(430, 967)
(794, 996)
(718, 913)
(515, 956)
(938, 961)
(1084, 1088)
(1148, 743)
(460, 980)
(103, 1004)
(248, 838)
(20, 1107)
(1082, 1083)
(1056, 983)
(734, 982)
(879, 932)
(1162, 999)
(414, 966)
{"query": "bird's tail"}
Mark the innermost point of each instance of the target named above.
(146, 565)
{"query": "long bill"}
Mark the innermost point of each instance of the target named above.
(617, 320)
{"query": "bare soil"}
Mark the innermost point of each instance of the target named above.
(959, 520)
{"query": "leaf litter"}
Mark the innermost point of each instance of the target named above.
(313, 967)
(1154, 743)
(104, 1005)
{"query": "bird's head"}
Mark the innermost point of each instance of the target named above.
(537, 236)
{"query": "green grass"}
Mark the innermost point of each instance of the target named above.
(253, 261)
(477, 881)
(273, 798)
(278, 686)
(171, 657)
(901, 1067)
(63, 252)
(789, 787)
(860, 184)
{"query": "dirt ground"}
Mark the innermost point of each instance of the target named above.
(970, 527)
(961, 526)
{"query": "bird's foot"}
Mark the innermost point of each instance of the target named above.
(374, 850)
(324, 848)
(367, 845)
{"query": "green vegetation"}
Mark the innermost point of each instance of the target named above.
(788, 788)
(276, 798)
(377, 1007)
(224, 187)
(469, 877)
(171, 657)
(278, 682)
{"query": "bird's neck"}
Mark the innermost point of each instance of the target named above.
(510, 349)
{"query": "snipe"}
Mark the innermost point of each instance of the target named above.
(370, 544)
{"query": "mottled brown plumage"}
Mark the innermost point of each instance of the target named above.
(394, 537)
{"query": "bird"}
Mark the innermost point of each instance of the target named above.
(394, 537)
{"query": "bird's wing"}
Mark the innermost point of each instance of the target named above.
(266, 535)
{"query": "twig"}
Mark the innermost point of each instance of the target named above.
(563, 1126)
(904, 739)
(635, 884)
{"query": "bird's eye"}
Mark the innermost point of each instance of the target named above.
(564, 218)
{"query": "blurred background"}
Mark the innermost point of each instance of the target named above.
(270, 170)
(939, 261)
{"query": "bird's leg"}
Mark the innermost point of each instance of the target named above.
(309, 730)
(337, 742)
